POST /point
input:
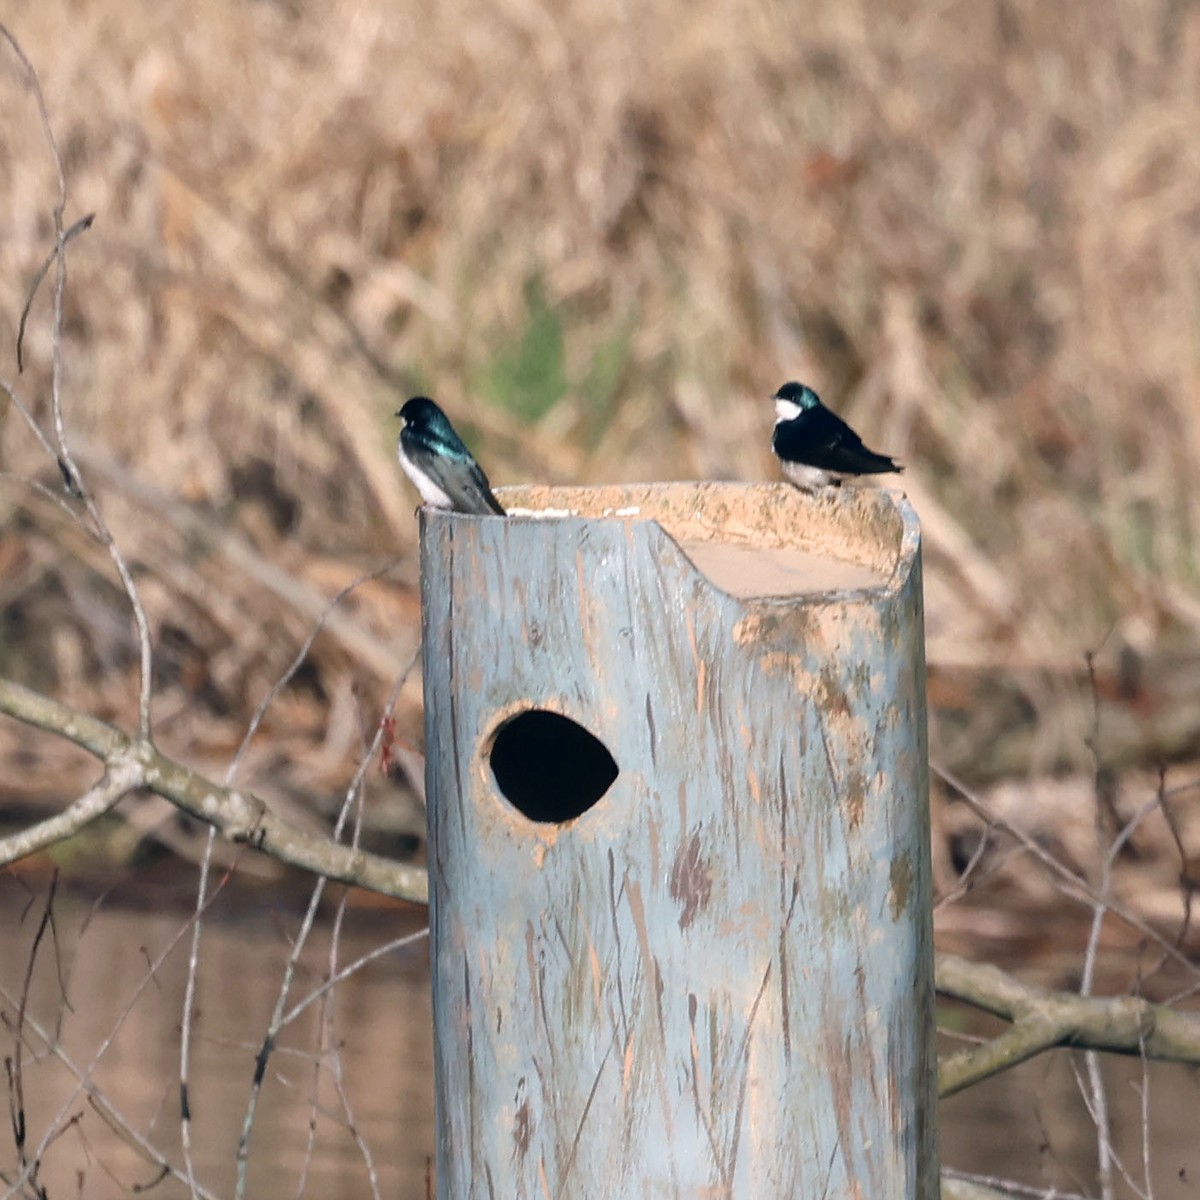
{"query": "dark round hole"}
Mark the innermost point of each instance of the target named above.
(549, 767)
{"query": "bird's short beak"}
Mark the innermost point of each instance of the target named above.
(397, 412)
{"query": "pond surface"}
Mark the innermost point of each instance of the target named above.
(1028, 1124)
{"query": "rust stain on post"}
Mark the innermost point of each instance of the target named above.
(691, 880)
(713, 977)
(854, 792)
(522, 1128)
(900, 882)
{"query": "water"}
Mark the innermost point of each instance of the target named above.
(380, 1021)
(1028, 1123)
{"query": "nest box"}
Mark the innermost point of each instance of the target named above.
(679, 846)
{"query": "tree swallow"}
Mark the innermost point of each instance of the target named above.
(815, 446)
(441, 467)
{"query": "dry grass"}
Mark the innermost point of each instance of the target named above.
(602, 234)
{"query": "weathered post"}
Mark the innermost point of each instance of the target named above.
(678, 844)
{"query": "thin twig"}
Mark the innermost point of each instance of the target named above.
(297, 662)
(1144, 1097)
(1087, 894)
(966, 880)
(230, 775)
(53, 1044)
(1086, 1092)
(84, 1076)
(310, 1140)
(1098, 1105)
(242, 1158)
(82, 224)
(30, 420)
(189, 1008)
(399, 943)
(1007, 1187)
(1187, 885)
(275, 1025)
(328, 1034)
(16, 1072)
(35, 485)
(327, 1024)
(64, 455)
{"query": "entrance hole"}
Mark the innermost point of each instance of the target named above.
(550, 768)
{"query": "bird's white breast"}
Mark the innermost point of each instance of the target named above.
(430, 492)
(786, 410)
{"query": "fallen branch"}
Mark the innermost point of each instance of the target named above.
(239, 816)
(124, 775)
(1043, 1019)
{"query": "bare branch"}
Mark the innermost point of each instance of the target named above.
(30, 420)
(961, 1185)
(353, 793)
(239, 816)
(53, 1044)
(36, 87)
(98, 737)
(297, 662)
(231, 774)
(185, 1026)
(1187, 884)
(1108, 1155)
(376, 654)
(1084, 891)
(123, 776)
(1043, 1019)
(242, 1157)
(1095, 1095)
(386, 948)
(63, 456)
(82, 224)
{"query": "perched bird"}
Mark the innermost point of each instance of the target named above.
(441, 467)
(815, 446)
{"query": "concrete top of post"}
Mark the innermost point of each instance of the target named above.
(753, 541)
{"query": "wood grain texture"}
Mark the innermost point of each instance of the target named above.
(717, 982)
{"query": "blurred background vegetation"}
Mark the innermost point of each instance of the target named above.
(602, 234)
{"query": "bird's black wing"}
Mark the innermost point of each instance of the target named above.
(451, 467)
(820, 438)
(479, 492)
